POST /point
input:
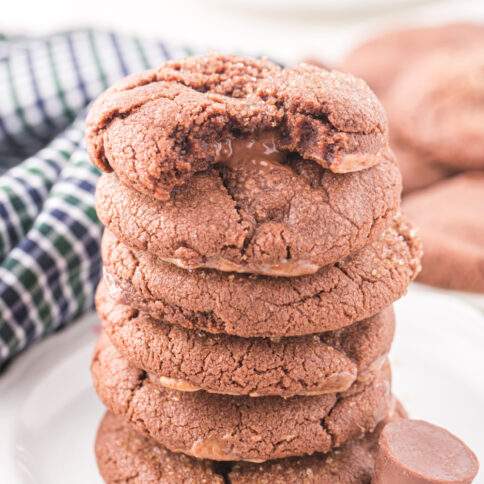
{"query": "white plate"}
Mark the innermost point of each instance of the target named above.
(49, 412)
(474, 298)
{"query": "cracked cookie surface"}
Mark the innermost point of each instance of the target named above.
(125, 456)
(273, 218)
(193, 360)
(247, 305)
(220, 427)
(157, 128)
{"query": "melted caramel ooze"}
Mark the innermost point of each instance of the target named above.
(260, 150)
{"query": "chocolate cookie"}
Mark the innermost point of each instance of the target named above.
(157, 128)
(418, 171)
(449, 217)
(192, 360)
(379, 60)
(221, 427)
(436, 108)
(125, 456)
(336, 296)
(262, 216)
(401, 86)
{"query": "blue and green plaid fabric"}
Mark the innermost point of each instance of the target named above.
(49, 232)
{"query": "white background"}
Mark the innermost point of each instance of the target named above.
(285, 29)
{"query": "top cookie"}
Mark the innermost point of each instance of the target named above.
(157, 128)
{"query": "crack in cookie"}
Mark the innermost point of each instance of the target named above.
(248, 305)
(158, 128)
(222, 427)
(193, 360)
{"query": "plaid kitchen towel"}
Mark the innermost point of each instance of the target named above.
(49, 232)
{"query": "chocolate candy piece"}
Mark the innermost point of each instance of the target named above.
(416, 452)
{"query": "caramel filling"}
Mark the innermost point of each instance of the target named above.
(261, 149)
(284, 268)
(262, 154)
(335, 383)
(214, 448)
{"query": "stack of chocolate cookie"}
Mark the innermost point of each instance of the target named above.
(252, 252)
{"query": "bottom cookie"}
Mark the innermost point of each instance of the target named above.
(125, 456)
